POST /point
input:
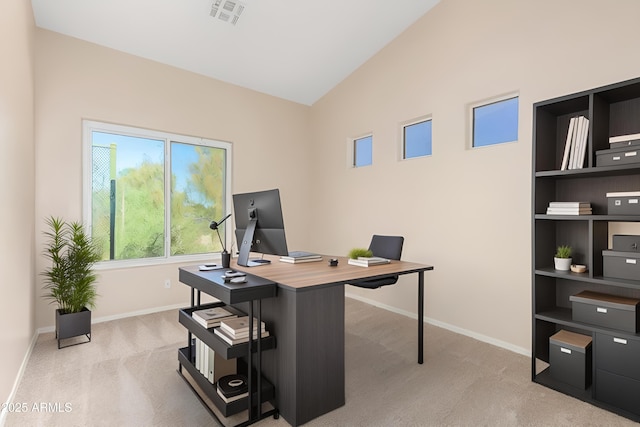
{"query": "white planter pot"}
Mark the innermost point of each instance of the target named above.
(562, 263)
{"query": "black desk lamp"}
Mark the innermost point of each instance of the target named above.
(226, 256)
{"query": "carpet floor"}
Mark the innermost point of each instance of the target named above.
(127, 376)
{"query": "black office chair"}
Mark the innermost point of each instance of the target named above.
(389, 247)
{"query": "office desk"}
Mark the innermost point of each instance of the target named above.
(307, 319)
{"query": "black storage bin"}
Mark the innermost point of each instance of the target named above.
(605, 310)
(618, 156)
(626, 242)
(570, 358)
(621, 265)
(618, 371)
(623, 203)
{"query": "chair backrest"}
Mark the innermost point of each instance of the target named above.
(389, 247)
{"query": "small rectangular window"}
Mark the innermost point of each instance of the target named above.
(416, 138)
(495, 122)
(363, 151)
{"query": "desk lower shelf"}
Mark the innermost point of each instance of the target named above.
(213, 341)
(226, 409)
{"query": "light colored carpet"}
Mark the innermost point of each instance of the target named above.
(127, 377)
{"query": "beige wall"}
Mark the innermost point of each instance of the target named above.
(16, 188)
(77, 80)
(465, 211)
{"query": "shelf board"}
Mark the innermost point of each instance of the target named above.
(563, 316)
(584, 277)
(226, 409)
(609, 218)
(217, 344)
(631, 169)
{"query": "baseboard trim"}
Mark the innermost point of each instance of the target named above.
(101, 319)
(444, 325)
(16, 383)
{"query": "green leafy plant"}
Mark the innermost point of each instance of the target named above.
(359, 252)
(563, 251)
(70, 281)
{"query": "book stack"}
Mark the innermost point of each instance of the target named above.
(576, 143)
(236, 331)
(300, 256)
(569, 208)
(211, 317)
(363, 261)
(232, 387)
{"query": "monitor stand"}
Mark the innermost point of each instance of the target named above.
(245, 247)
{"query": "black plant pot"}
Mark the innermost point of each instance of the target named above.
(71, 325)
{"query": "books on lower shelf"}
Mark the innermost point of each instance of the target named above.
(300, 256)
(211, 365)
(575, 146)
(569, 208)
(211, 317)
(368, 261)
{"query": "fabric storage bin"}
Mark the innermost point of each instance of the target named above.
(621, 265)
(618, 156)
(570, 358)
(605, 310)
(626, 242)
(623, 203)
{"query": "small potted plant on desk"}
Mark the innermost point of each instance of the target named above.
(70, 281)
(562, 260)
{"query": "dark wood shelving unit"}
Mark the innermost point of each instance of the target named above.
(242, 299)
(612, 110)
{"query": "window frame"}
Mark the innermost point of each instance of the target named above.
(403, 141)
(353, 142)
(487, 102)
(89, 126)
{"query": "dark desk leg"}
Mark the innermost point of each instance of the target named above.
(420, 316)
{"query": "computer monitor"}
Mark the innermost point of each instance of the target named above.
(259, 226)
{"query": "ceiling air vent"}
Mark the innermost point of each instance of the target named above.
(227, 10)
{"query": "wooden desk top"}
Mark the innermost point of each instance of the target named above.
(313, 274)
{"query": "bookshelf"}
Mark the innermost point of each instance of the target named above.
(244, 299)
(611, 111)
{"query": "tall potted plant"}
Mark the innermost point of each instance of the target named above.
(70, 280)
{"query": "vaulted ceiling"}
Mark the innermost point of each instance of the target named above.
(293, 49)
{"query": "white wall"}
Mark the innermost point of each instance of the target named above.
(77, 80)
(16, 188)
(467, 212)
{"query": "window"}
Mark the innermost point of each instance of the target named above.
(363, 151)
(495, 122)
(416, 139)
(151, 195)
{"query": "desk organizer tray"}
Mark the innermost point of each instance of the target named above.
(570, 358)
(609, 311)
(623, 203)
(618, 156)
(621, 265)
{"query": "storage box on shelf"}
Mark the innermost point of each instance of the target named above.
(611, 112)
(618, 371)
(570, 358)
(609, 311)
